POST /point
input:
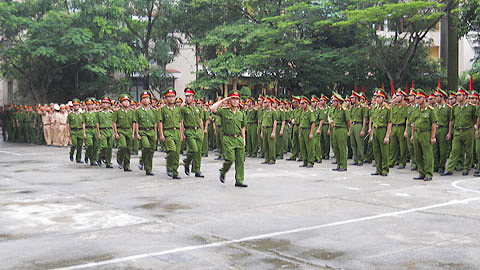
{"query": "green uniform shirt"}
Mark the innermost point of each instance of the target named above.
(399, 114)
(232, 122)
(340, 118)
(381, 116)
(75, 120)
(90, 119)
(252, 116)
(357, 113)
(297, 114)
(307, 118)
(105, 119)
(146, 118)
(29, 117)
(425, 118)
(444, 114)
(268, 118)
(170, 118)
(123, 119)
(464, 118)
(191, 116)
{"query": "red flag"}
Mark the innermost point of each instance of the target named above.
(392, 89)
(406, 87)
(363, 90)
(438, 84)
(470, 85)
(355, 88)
(413, 84)
(383, 88)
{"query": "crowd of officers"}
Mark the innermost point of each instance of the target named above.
(410, 126)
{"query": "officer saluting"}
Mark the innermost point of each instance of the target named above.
(234, 122)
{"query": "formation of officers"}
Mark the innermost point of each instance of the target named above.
(411, 126)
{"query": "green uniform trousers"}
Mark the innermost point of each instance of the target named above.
(76, 136)
(410, 148)
(441, 148)
(205, 144)
(295, 143)
(173, 143)
(219, 140)
(325, 141)
(397, 146)
(29, 132)
(149, 145)
(307, 148)
(340, 146)
(423, 153)
(357, 143)
(380, 150)
(124, 144)
(462, 146)
(194, 140)
(252, 141)
(234, 151)
(105, 145)
(279, 144)
(318, 153)
(269, 145)
(91, 144)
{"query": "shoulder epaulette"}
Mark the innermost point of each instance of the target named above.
(450, 106)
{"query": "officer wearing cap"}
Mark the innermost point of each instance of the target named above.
(75, 130)
(464, 116)
(252, 124)
(105, 133)
(170, 131)
(398, 142)
(306, 133)
(340, 124)
(268, 131)
(146, 130)
(444, 131)
(193, 134)
(295, 121)
(423, 136)
(90, 132)
(357, 132)
(234, 123)
(381, 127)
(123, 129)
(412, 108)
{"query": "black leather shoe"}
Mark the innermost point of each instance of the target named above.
(79, 161)
(149, 173)
(291, 159)
(427, 178)
(199, 174)
(222, 178)
(93, 164)
(303, 165)
(109, 166)
(187, 169)
(127, 169)
(241, 185)
(218, 158)
(319, 161)
(353, 164)
(384, 174)
(465, 173)
(440, 171)
(86, 159)
(375, 173)
(334, 162)
(140, 167)
(299, 160)
(71, 158)
(170, 174)
(446, 173)
(264, 162)
(418, 178)
(176, 177)
(99, 163)
(341, 169)
(310, 166)
(335, 169)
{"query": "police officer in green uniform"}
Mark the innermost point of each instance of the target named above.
(252, 121)
(397, 140)
(306, 133)
(123, 129)
(464, 116)
(357, 131)
(340, 125)
(412, 108)
(169, 129)
(268, 132)
(30, 121)
(443, 132)
(381, 127)
(234, 124)
(105, 133)
(193, 126)
(75, 131)
(295, 121)
(146, 130)
(90, 132)
(423, 136)
(279, 144)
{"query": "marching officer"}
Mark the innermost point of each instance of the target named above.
(306, 133)
(105, 133)
(234, 123)
(146, 130)
(90, 132)
(357, 131)
(123, 130)
(268, 131)
(397, 140)
(171, 134)
(444, 131)
(340, 125)
(75, 129)
(423, 136)
(381, 127)
(193, 134)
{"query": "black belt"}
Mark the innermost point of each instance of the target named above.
(442, 126)
(398, 125)
(105, 128)
(192, 128)
(305, 128)
(422, 130)
(146, 129)
(174, 128)
(76, 129)
(268, 127)
(358, 123)
(90, 127)
(460, 129)
(338, 127)
(380, 126)
(235, 136)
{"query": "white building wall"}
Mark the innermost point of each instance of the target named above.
(185, 63)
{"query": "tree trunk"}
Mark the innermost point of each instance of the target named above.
(452, 63)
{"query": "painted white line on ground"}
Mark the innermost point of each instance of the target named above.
(19, 154)
(268, 235)
(455, 185)
(353, 188)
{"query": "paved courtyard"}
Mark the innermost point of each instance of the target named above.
(55, 214)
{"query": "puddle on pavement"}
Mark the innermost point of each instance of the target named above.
(241, 255)
(171, 207)
(280, 264)
(269, 244)
(66, 263)
(322, 254)
(456, 266)
(8, 236)
(25, 191)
